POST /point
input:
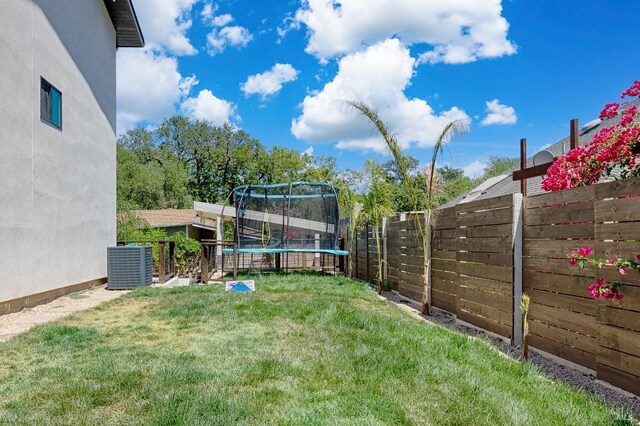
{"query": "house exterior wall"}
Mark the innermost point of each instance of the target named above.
(57, 187)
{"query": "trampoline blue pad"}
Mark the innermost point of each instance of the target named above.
(280, 250)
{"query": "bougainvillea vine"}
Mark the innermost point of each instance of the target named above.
(613, 148)
(600, 288)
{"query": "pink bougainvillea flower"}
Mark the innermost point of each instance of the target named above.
(585, 251)
(609, 110)
(611, 262)
(572, 260)
(623, 271)
(632, 91)
(600, 282)
(618, 296)
(638, 256)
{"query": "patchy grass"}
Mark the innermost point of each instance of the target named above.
(302, 349)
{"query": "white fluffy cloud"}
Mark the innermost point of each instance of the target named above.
(458, 31)
(149, 85)
(269, 82)
(206, 106)
(165, 23)
(498, 113)
(474, 169)
(219, 39)
(377, 77)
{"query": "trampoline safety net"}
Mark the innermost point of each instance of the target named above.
(289, 217)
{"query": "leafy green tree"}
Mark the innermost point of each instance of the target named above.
(497, 166)
(376, 205)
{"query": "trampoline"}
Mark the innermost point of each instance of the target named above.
(297, 217)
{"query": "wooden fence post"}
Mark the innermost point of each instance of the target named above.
(384, 249)
(172, 258)
(366, 242)
(161, 262)
(204, 263)
(427, 254)
(517, 269)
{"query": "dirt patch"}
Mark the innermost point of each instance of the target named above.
(20, 322)
(549, 367)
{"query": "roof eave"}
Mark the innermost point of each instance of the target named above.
(124, 19)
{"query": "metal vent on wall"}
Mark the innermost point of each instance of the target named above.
(129, 267)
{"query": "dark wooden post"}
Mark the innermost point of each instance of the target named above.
(235, 261)
(523, 165)
(161, 262)
(366, 241)
(204, 263)
(172, 258)
(574, 135)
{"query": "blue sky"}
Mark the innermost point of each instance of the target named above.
(512, 69)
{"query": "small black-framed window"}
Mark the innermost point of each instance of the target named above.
(50, 104)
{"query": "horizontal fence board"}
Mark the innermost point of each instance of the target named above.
(617, 249)
(582, 305)
(578, 356)
(504, 230)
(564, 337)
(619, 230)
(562, 318)
(619, 360)
(619, 339)
(575, 195)
(621, 379)
(617, 189)
(580, 212)
(564, 284)
(557, 266)
(619, 209)
(444, 265)
(501, 245)
(496, 272)
(443, 254)
(577, 230)
(493, 286)
(618, 317)
(490, 217)
(500, 302)
(494, 314)
(444, 286)
(485, 204)
(553, 248)
(486, 258)
(483, 322)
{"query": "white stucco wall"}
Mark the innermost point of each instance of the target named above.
(57, 188)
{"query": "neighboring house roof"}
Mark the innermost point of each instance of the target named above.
(504, 184)
(125, 21)
(174, 217)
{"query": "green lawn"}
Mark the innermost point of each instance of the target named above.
(300, 350)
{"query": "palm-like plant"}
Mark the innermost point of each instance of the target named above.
(376, 205)
(451, 130)
(355, 219)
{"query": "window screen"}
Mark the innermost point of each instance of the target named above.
(50, 104)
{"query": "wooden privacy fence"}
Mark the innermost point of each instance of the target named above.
(485, 253)
(601, 335)
(472, 274)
